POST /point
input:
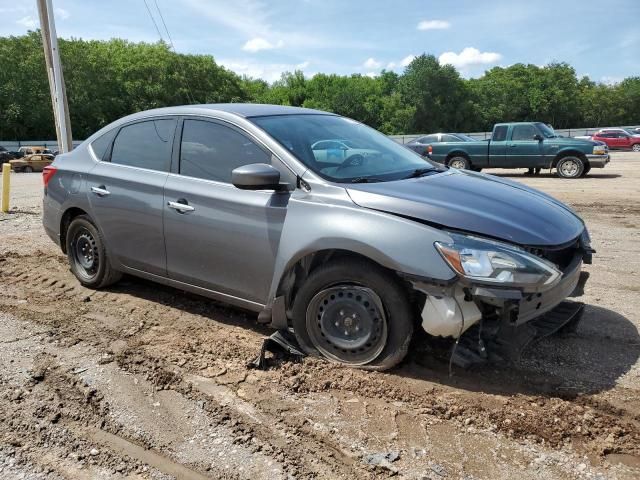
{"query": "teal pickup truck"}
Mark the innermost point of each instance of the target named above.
(531, 145)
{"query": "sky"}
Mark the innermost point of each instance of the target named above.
(262, 39)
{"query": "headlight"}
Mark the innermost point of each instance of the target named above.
(486, 261)
(599, 149)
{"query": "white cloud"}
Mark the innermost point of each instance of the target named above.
(372, 63)
(391, 65)
(28, 22)
(258, 43)
(433, 25)
(266, 71)
(371, 74)
(469, 57)
(607, 80)
(61, 13)
(407, 60)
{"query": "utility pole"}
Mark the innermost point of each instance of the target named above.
(55, 76)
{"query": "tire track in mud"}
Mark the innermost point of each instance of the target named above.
(172, 338)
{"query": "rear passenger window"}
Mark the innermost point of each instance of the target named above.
(211, 151)
(523, 132)
(499, 133)
(101, 144)
(145, 145)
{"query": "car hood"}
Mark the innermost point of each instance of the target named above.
(477, 203)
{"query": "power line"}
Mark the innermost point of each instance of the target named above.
(165, 25)
(153, 20)
(186, 81)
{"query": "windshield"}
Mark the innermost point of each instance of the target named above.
(316, 140)
(546, 130)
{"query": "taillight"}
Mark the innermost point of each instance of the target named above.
(429, 150)
(48, 173)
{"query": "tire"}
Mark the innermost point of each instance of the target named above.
(27, 169)
(361, 299)
(459, 162)
(636, 147)
(476, 169)
(570, 167)
(87, 254)
(586, 170)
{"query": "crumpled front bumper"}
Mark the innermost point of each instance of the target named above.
(451, 309)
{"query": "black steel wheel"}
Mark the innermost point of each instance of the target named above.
(347, 323)
(86, 257)
(354, 312)
(87, 254)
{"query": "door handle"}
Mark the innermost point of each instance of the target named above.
(101, 191)
(181, 207)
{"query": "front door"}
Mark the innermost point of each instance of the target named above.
(217, 236)
(523, 150)
(125, 191)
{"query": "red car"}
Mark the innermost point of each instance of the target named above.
(618, 139)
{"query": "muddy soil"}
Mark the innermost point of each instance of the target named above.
(146, 382)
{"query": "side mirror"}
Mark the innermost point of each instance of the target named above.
(257, 176)
(538, 137)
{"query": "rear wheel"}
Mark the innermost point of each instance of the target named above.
(87, 254)
(570, 167)
(354, 312)
(460, 163)
(636, 147)
(27, 169)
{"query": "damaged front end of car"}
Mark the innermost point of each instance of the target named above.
(503, 297)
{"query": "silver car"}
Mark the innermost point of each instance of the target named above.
(231, 202)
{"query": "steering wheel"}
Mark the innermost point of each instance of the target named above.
(356, 160)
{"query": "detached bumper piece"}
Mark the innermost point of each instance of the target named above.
(510, 341)
(282, 343)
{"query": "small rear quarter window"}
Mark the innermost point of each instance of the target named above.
(100, 145)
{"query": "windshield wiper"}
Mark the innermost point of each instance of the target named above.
(419, 172)
(365, 180)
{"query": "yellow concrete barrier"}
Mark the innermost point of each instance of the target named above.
(6, 177)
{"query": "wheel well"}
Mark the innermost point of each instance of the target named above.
(296, 274)
(65, 221)
(570, 153)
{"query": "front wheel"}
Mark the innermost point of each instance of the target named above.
(570, 167)
(460, 163)
(87, 254)
(27, 169)
(636, 147)
(354, 312)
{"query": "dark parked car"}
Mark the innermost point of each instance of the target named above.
(231, 202)
(5, 155)
(421, 145)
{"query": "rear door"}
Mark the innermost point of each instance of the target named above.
(223, 239)
(126, 192)
(523, 150)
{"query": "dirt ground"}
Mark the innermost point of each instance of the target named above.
(141, 381)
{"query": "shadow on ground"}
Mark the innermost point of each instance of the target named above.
(604, 348)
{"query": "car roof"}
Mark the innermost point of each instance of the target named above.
(246, 110)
